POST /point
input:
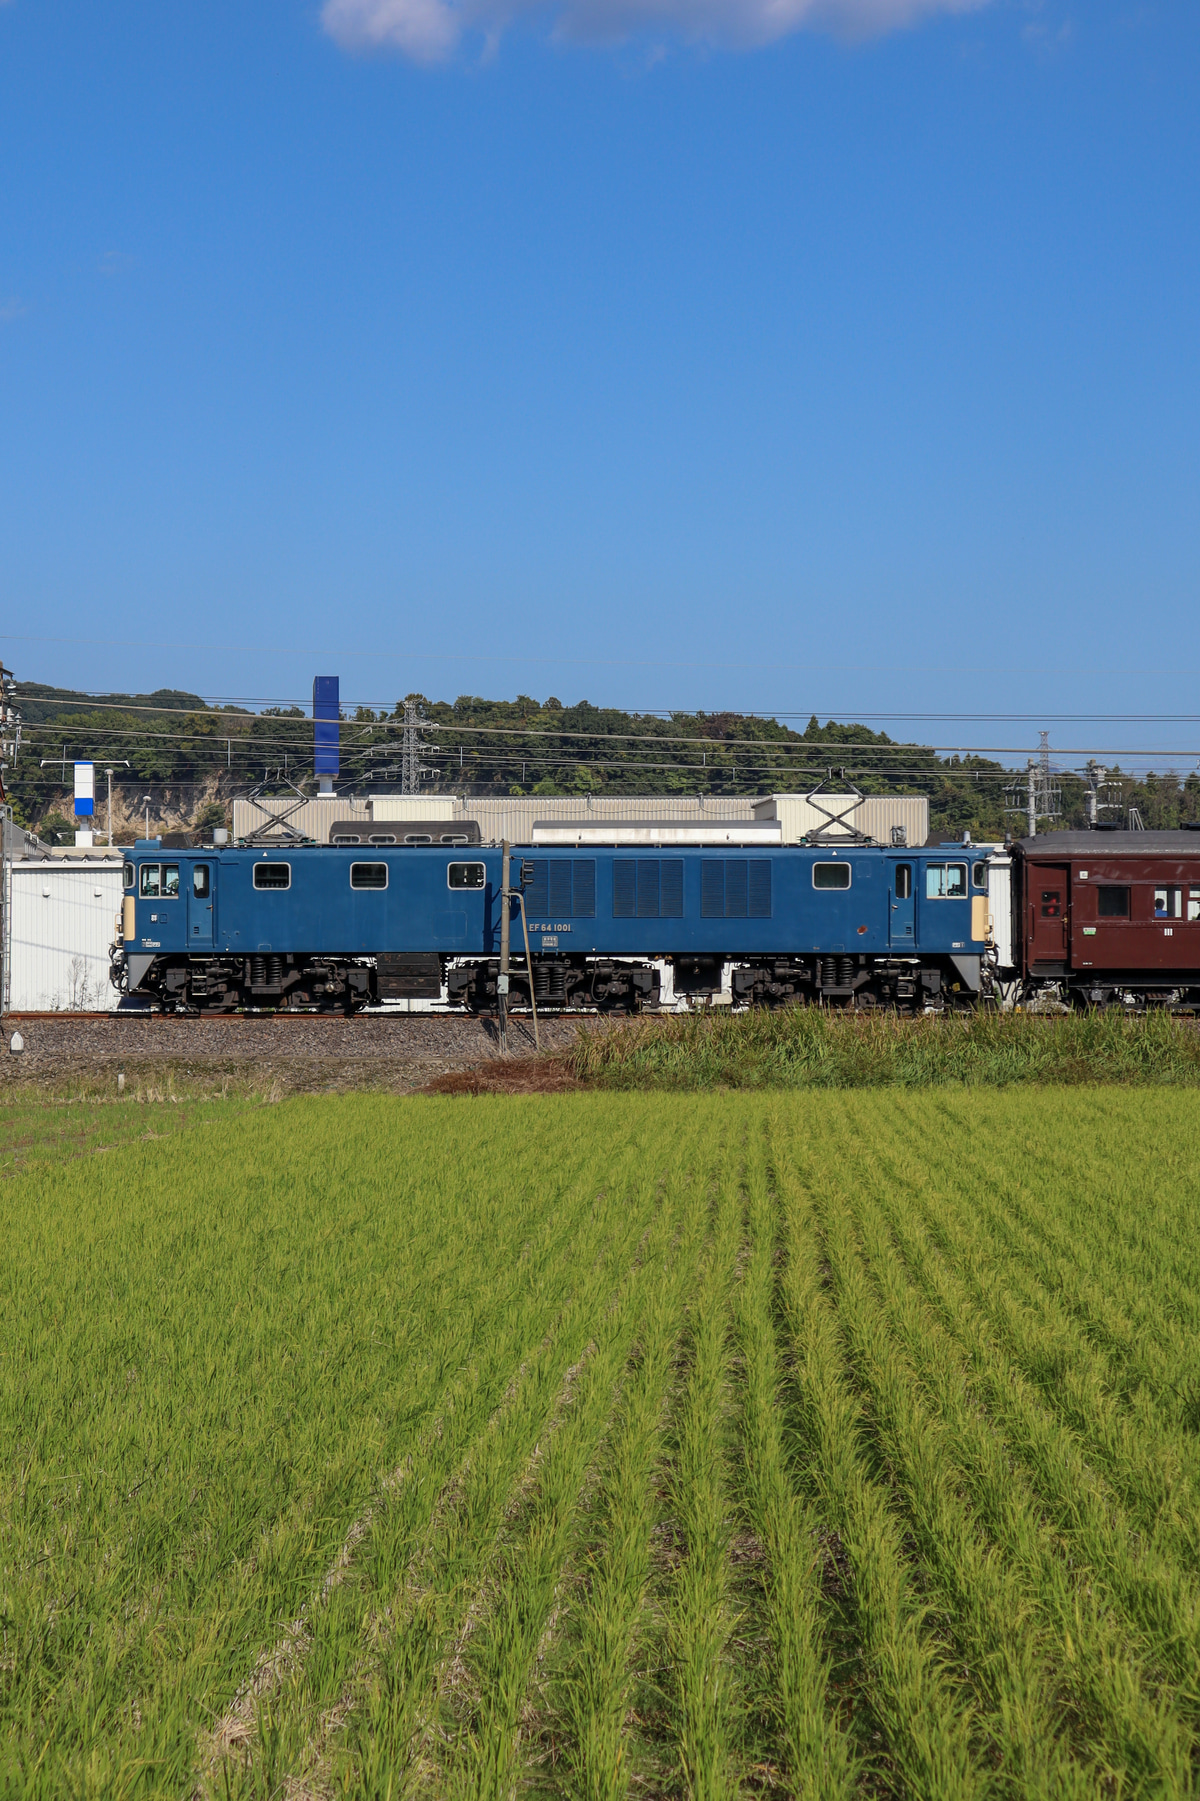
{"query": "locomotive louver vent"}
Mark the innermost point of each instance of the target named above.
(562, 888)
(647, 888)
(735, 888)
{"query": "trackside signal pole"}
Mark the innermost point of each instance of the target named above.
(505, 942)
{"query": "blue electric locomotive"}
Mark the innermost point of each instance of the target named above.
(328, 927)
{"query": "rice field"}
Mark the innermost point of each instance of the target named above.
(604, 1445)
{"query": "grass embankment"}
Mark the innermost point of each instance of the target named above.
(597, 1445)
(804, 1047)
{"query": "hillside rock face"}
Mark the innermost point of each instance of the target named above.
(174, 806)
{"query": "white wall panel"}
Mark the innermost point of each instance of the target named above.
(63, 922)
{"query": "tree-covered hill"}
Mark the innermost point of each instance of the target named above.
(191, 758)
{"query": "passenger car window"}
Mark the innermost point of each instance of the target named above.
(1194, 903)
(945, 881)
(151, 880)
(979, 875)
(200, 880)
(170, 885)
(903, 881)
(831, 875)
(1112, 903)
(1168, 903)
(129, 876)
(368, 875)
(347, 838)
(465, 875)
(1051, 903)
(271, 875)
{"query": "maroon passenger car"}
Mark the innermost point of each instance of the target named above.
(1110, 916)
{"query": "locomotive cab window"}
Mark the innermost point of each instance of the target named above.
(170, 885)
(130, 875)
(465, 875)
(945, 881)
(272, 875)
(831, 875)
(200, 880)
(1168, 903)
(368, 875)
(1112, 903)
(979, 875)
(151, 881)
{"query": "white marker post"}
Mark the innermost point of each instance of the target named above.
(85, 801)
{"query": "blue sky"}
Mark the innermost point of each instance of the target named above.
(663, 352)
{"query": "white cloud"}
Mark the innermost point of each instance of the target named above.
(428, 31)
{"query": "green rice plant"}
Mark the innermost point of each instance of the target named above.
(594, 1681)
(232, 1356)
(526, 1577)
(815, 1753)
(697, 1603)
(428, 1542)
(1112, 1568)
(1120, 1716)
(996, 1613)
(1151, 1463)
(840, 1444)
(928, 1719)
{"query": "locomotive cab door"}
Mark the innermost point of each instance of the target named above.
(903, 914)
(1047, 901)
(200, 908)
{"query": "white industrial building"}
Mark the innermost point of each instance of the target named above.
(515, 816)
(56, 926)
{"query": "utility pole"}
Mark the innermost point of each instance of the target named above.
(412, 743)
(505, 943)
(108, 773)
(1036, 794)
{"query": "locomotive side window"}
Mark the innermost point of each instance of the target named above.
(979, 875)
(945, 881)
(831, 875)
(170, 885)
(465, 875)
(129, 875)
(151, 881)
(272, 875)
(368, 875)
(903, 881)
(1112, 903)
(200, 880)
(1168, 903)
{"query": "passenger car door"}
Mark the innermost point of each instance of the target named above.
(1048, 918)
